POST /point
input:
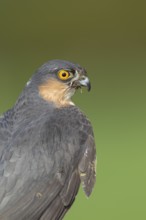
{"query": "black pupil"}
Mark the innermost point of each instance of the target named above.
(64, 74)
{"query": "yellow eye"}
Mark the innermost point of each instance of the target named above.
(63, 74)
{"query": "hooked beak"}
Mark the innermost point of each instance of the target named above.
(84, 81)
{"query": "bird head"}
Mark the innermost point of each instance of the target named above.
(57, 81)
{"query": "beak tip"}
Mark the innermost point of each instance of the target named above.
(89, 87)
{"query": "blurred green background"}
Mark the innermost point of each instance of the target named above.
(108, 38)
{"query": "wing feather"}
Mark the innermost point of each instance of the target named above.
(87, 166)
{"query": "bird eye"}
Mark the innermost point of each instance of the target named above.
(63, 74)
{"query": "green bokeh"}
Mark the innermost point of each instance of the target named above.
(109, 39)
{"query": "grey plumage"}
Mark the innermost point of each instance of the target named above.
(45, 152)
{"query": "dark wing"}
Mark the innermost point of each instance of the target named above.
(41, 175)
(81, 170)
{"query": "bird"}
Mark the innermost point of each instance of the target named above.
(47, 146)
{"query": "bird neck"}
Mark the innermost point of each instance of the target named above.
(30, 105)
(57, 93)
